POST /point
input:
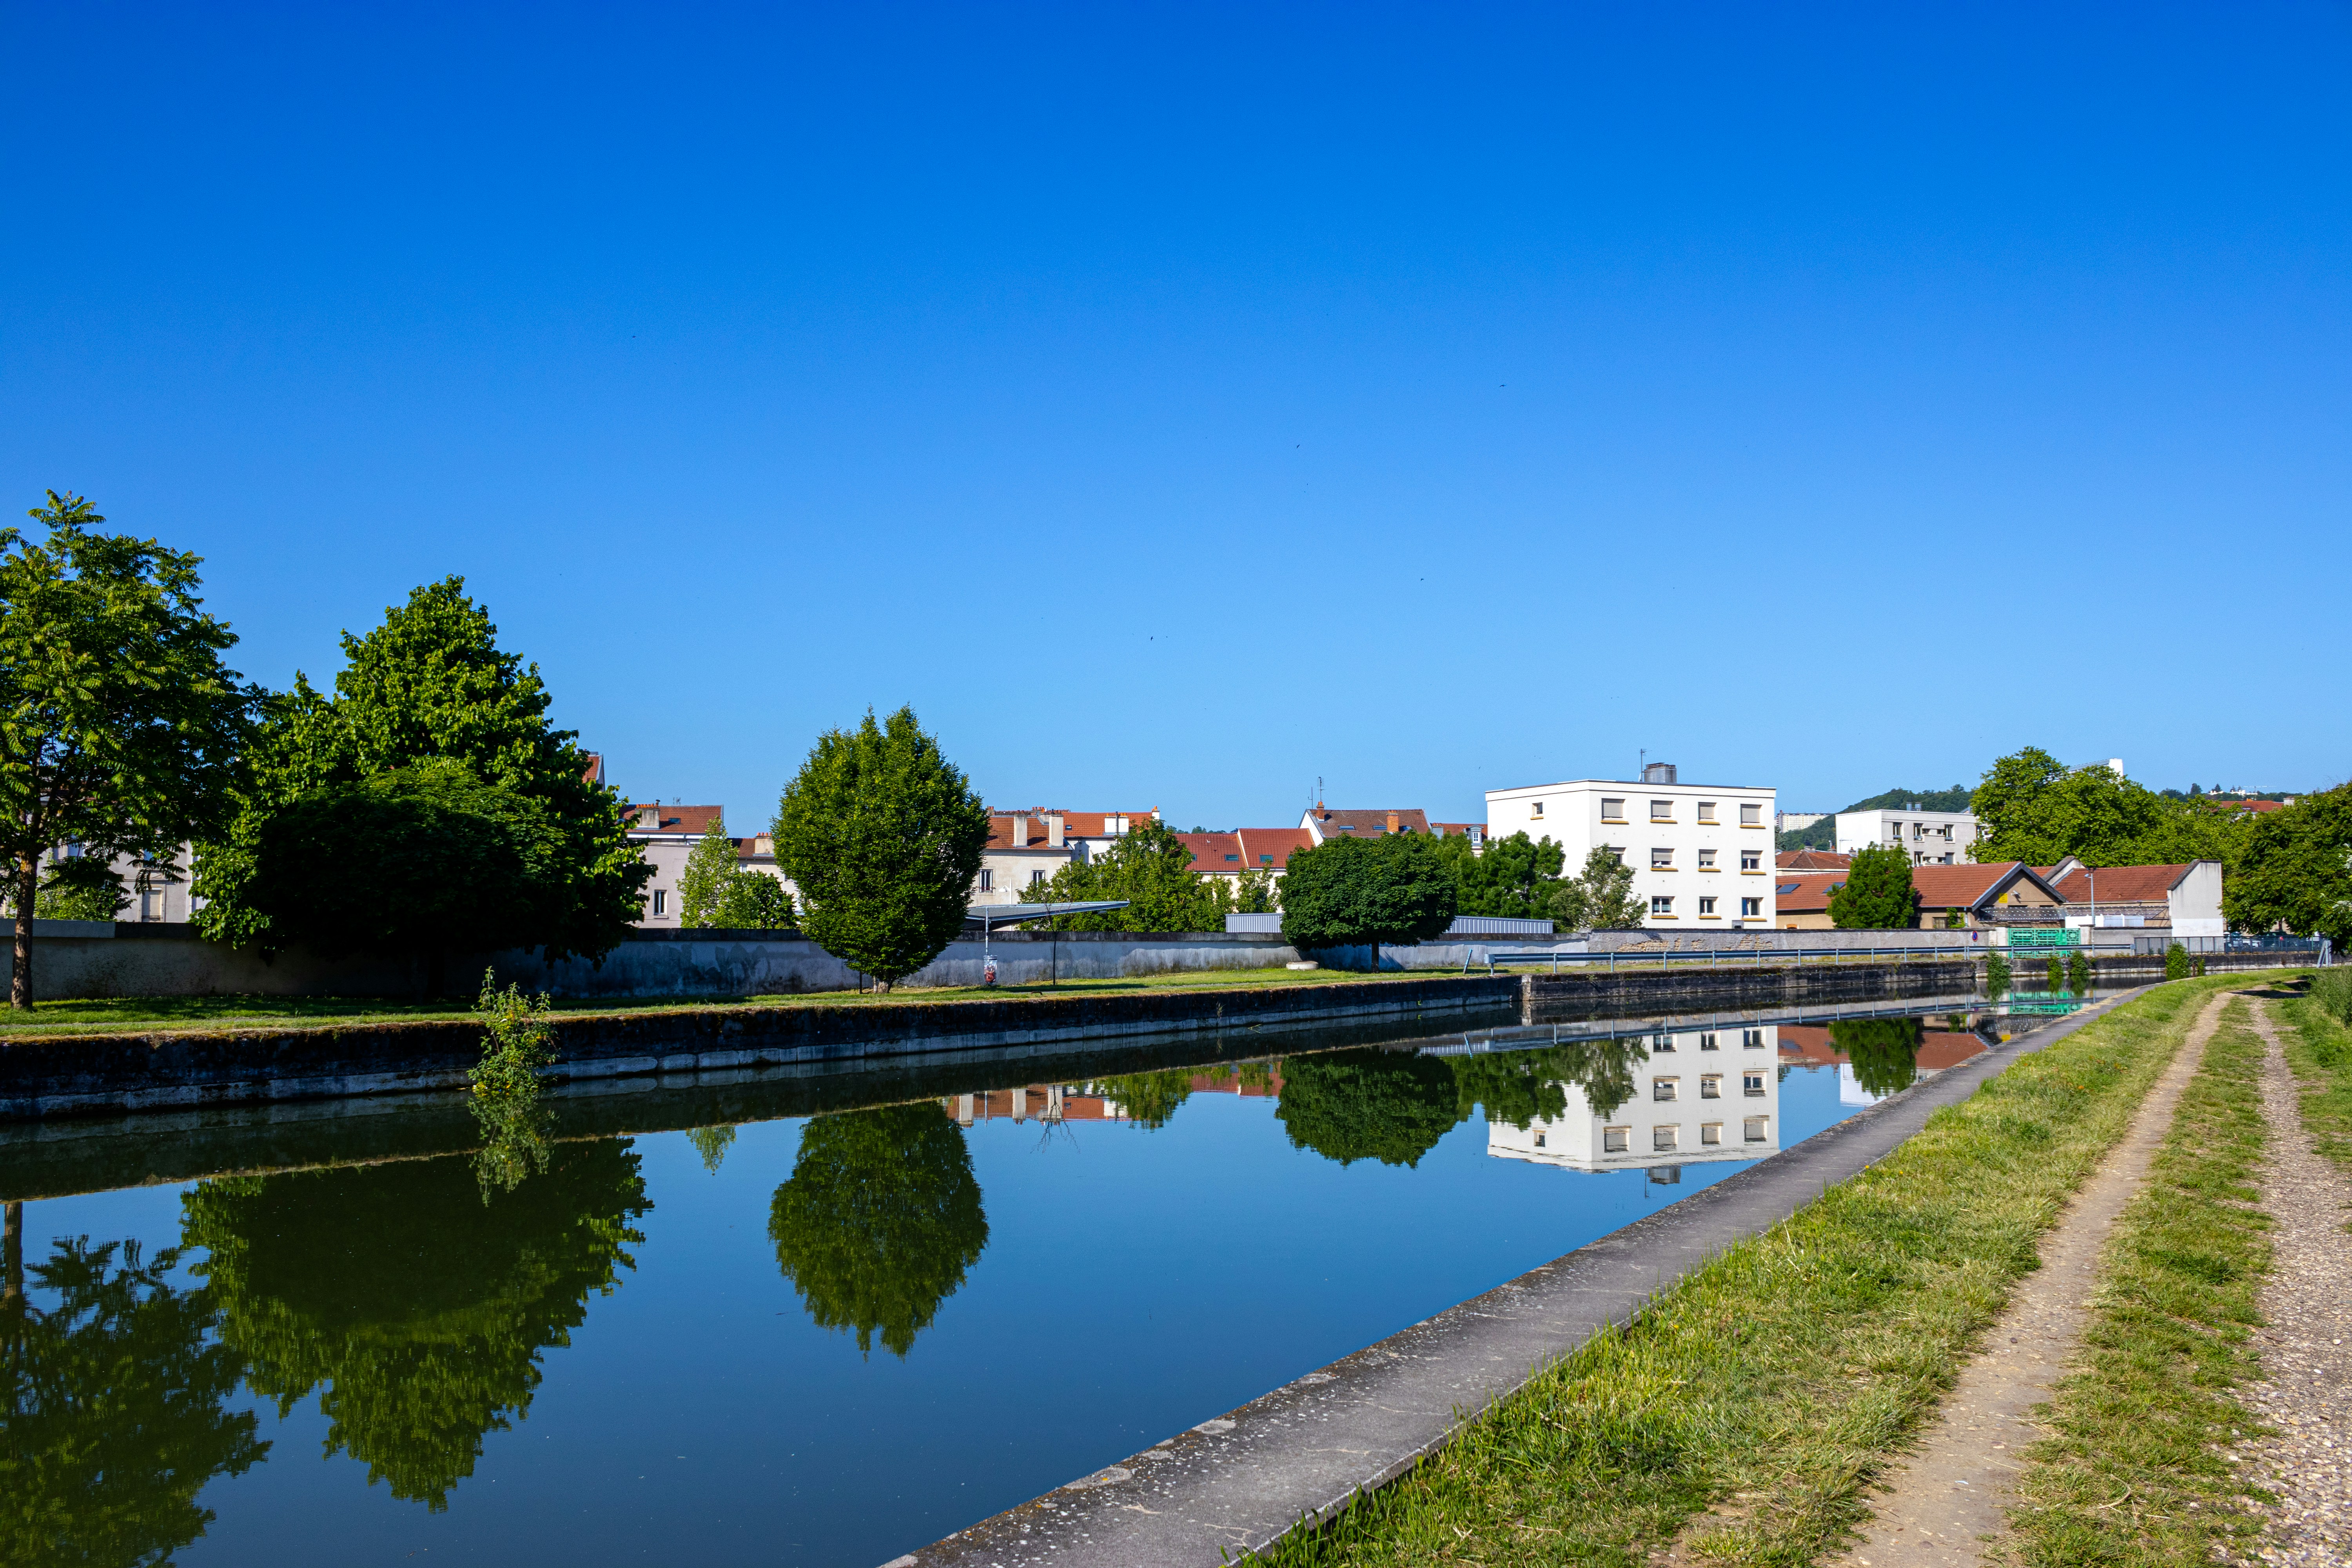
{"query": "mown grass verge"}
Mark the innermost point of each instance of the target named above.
(2319, 1052)
(1768, 1389)
(153, 1013)
(2134, 1471)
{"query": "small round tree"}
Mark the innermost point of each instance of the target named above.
(1877, 894)
(1349, 892)
(883, 837)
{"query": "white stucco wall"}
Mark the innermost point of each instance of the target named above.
(1727, 859)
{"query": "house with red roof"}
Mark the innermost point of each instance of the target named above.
(2004, 892)
(1026, 848)
(666, 835)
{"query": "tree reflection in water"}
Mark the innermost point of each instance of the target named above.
(1149, 1099)
(1884, 1052)
(114, 1420)
(879, 1221)
(1389, 1105)
(416, 1303)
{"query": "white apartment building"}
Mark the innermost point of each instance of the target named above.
(1701, 854)
(1704, 1095)
(1932, 838)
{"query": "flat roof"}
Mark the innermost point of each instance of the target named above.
(1624, 783)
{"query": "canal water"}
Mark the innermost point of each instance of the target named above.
(826, 1339)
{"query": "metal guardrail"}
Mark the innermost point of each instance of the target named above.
(1712, 957)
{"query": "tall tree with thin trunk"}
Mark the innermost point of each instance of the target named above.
(120, 726)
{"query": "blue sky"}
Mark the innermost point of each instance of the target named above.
(1178, 404)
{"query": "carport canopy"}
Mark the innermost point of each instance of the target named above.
(989, 916)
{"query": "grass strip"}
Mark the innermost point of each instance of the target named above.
(2319, 1053)
(158, 1014)
(2133, 1472)
(1768, 1389)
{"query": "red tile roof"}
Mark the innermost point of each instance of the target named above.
(1085, 824)
(1457, 829)
(1215, 851)
(1938, 1048)
(1964, 886)
(1270, 849)
(1364, 823)
(1812, 860)
(1805, 893)
(695, 819)
(2123, 884)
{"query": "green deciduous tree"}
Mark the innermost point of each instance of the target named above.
(430, 686)
(2295, 871)
(1389, 1105)
(415, 1310)
(1600, 897)
(700, 882)
(1516, 875)
(879, 1221)
(114, 1406)
(122, 727)
(1348, 891)
(1883, 1052)
(1877, 894)
(2035, 810)
(1150, 868)
(883, 837)
(1257, 892)
(753, 900)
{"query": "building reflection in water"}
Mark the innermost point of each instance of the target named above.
(1690, 1096)
(1877, 1057)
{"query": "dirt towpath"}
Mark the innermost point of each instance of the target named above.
(2306, 1305)
(1956, 1487)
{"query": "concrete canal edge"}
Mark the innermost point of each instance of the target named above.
(85, 1075)
(1302, 1454)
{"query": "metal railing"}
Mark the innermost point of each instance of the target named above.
(1712, 957)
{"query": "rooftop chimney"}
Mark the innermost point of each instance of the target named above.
(1658, 772)
(1393, 822)
(649, 819)
(1053, 820)
(1019, 833)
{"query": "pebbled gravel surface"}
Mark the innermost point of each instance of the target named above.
(2307, 1304)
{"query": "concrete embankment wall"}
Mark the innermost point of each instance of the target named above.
(79, 1075)
(1630, 989)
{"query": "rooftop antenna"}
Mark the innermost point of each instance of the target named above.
(1644, 771)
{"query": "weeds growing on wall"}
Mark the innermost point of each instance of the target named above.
(519, 1039)
(1996, 974)
(2078, 973)
(2054, 978)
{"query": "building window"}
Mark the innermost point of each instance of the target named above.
(1666, 1089)
(1754, 1129)
(1750, 814)
(1536, 810)
(1232, 857)
(1750, 908)
(987, 882)
(1036, 878)
(1618, 850)
(1711, 1086)
(1751, 1039)
(1539, 1140)
(1751, 1084)
(1706, 907)
(1662, 907)
(1661, 811)
(1751, 859)
(1613, 1140)
(1665, 1138)
(1706, 859)
(1663, 1042)
(1706, 812)
(1710, 1132)
(1707, 1042)
(1613, 810)
(1662, 859)
(661, 900)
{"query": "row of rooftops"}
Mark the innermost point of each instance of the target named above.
(1808, 877)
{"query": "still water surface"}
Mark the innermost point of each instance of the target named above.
(828, 1339)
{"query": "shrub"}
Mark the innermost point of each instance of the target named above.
(2078, 973)
(2176, 963)
(2052, 979)
(2331, 989)
(1996, 973)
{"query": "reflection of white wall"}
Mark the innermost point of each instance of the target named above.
(1850, 1089)
(1743, 1114)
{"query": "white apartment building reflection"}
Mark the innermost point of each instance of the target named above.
(1703, 1095)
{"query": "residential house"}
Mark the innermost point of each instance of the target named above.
(1931, 837)
(1228, 855)
(2005, 892)
(666, 836)
(1474, 831)
(1026, 848)
(2185, 899)
(1704, 1095)
(1323, 823)
(1811, 860)
(1700, 853)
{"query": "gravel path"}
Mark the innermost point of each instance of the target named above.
(2306, 1305)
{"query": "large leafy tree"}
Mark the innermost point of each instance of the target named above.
(2295, 871)
(1389, 1105)
(415, 1304)
(2036, 809)
(1600, 897)
(708, 866)
(1877, 893)
(1348, 891)
(883, 837)
(1153, 870)
(114, 1406)
(1515, 876)
(879, 1221)
(122, 725)
(1883, 1052)
(430, 685)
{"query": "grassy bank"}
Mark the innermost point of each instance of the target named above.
(2319, 1050)
(118, 1014)
(1748, 1410)
(2133, 1470)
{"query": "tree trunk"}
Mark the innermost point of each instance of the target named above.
(20, 972)
(1376, 955)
